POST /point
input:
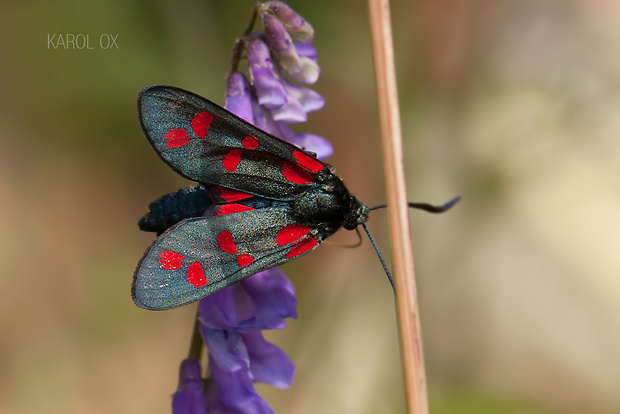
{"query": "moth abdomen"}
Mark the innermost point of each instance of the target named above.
(173, 207)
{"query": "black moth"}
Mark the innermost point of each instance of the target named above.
(261, 201)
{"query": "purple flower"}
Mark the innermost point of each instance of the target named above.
(189, 397)
(261, 301)
(277, 101)
(300, 67)
(272, 60)
(231, 320)
(235, 387)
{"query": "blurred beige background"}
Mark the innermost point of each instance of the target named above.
(512, 104)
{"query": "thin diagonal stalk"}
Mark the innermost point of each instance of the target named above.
(402, 253)
(196, 345)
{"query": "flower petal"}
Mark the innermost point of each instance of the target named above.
(189, 397)
(226, 349)
(306, 50)
(309, 99)
(310, 142)
(226, 309)
(269, 364)
(264, 120)
(280, 43)
(269, 90)
(314, 143)
(309, 72)
(290, 113)
(273, 297)
(238, 96)
(237, 392)
(214, 402)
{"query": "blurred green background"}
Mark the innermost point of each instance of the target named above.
(511, 104)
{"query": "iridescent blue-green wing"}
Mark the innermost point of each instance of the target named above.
(200, 256)
(204, 142)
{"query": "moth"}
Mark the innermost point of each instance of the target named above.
(260, 202)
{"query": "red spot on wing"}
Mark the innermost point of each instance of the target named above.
(250, 142)
(291, 234)
(231, 209)
(232, 159)
(302, 247)
(170, 260)
(201, 124)
(195, 275)
(295, 174)
(244, 260)
(309, 163)
(226, 242)
(228, 194)
(176, 138)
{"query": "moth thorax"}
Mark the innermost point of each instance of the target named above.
(317, 206)
(357, 214)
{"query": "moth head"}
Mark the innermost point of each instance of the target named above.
(358, 214)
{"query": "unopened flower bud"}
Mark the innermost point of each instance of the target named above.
(296, 25)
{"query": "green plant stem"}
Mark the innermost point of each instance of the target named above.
(241, 42)
(196, 345)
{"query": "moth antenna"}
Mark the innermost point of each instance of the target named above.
(347, 246)
(425, 206)
(420, 206)
(374, 244)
